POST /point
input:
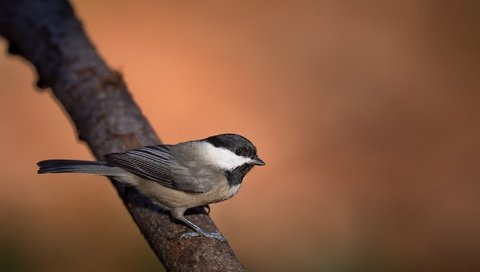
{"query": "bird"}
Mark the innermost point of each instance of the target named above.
(177, 177)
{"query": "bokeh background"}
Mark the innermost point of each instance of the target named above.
(367, 114)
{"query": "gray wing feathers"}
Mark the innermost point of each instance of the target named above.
(157, 163)
(151, 162)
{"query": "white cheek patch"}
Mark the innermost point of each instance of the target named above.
(223, 158)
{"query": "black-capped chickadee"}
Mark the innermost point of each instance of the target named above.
(179, 177)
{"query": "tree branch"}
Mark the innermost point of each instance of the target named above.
(47, 34)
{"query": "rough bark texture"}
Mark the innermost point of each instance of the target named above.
(46, 33)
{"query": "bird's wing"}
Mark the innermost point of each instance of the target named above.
(156, 163)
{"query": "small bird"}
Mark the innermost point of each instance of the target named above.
(178, 177)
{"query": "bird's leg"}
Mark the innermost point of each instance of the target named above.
(199, 231)
(178, 214)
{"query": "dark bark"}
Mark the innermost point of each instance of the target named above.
(48, 34)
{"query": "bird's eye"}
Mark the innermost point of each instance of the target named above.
(238, 151)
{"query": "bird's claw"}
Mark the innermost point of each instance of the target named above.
(215, 235)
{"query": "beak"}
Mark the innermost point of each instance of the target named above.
(258, 161)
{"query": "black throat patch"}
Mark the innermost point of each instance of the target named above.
(235, 176)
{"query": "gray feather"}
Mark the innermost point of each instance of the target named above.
(150, 162)
(77, 166)
(165, 165)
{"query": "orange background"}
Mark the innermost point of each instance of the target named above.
(367, 115)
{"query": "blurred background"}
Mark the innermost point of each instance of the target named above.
(367, 114)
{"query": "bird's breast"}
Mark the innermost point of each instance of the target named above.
(232, 190)
(173, 198)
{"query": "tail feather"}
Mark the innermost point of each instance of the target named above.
(76, 166)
